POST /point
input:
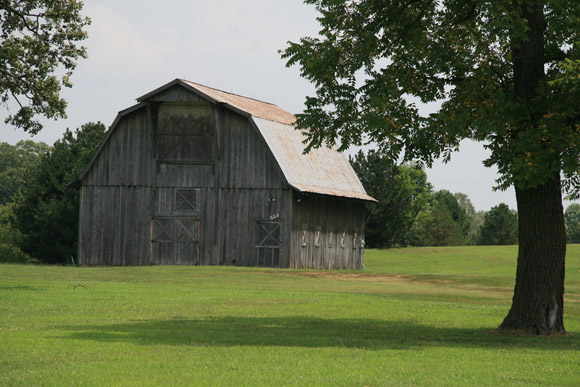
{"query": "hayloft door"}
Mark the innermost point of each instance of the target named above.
(268, 241)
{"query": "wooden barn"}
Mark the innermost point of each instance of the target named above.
(196, 176)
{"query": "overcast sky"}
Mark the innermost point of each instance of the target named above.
(135, 46)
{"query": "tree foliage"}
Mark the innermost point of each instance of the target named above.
(48, 212)
(371, 57)
(572, 218)
(38, 43)
(500, 227)
(16, 161)
(10, 237)
(401, 191)
(442, 222)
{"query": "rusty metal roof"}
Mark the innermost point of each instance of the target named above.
(252, 106)
(322, 171)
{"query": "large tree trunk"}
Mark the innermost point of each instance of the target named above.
(538, 302)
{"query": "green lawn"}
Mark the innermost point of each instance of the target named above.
(414, 316)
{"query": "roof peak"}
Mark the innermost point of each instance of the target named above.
(226, 92)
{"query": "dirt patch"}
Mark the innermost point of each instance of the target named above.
(432, 280)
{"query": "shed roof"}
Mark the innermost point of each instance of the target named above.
(321, 171)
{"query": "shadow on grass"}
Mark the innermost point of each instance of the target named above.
(17, 287)
(297, 331)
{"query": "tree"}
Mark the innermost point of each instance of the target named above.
(475, 218)
(500, 227)
(505, 73)
(465, 203)
(47, 215)
(10, 236)
(16, 161)
(441, 223)
(38, 41)
(458, 213)
(572, 216)
(401, 191)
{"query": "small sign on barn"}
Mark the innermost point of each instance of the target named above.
(196, 176)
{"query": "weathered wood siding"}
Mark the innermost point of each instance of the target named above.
(251, 190)
(115, 209)
(114, 225)
(327, 232)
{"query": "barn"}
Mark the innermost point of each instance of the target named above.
(192, 175)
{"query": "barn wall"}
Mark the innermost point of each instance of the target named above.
(126, 159)
(327, 232)
(251, 191)
(114, 225)
(116, 193)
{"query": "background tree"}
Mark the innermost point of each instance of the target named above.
(474, 217)
(572, 217)
(443, 222)
(10, 236)
(47, 215)
(401, 191)
(500, 227)
(16, 161)
(456, 210)
(38, 39)
(506, 74)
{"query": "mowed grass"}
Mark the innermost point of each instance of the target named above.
(414, 316)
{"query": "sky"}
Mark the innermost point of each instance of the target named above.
(135, 46)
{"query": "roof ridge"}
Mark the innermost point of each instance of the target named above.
(227, 92)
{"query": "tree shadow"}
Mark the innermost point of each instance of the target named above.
(299, 331)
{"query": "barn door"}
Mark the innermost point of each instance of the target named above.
(175, 240)
(268, 241)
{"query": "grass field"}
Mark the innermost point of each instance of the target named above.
(422, 316)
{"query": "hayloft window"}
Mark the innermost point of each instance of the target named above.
(185, 134)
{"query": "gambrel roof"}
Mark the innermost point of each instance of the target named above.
(322, 171)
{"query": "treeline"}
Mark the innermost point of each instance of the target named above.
(39, 204)
(411, 213)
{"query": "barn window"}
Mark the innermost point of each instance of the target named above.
(185, 200)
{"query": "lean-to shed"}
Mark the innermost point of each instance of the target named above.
(194, 175)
